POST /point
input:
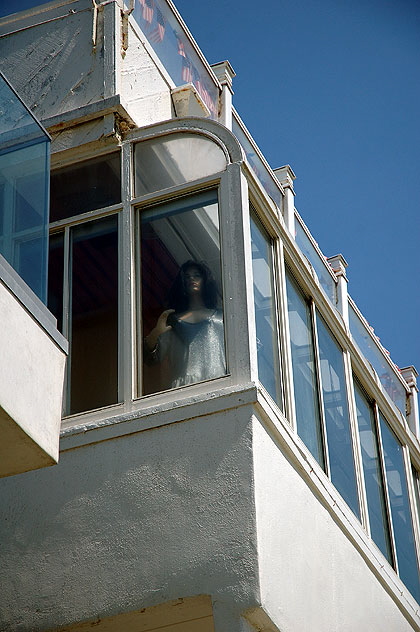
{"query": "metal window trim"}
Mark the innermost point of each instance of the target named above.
(357, 448)
(273, 242)
(318, 377)
(377, 414)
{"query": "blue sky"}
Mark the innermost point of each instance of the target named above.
(332, 88)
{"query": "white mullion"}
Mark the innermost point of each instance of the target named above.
(385, 481)
(357, 450)
(67, 304)
(287, 364)
(319, 388)
(276, 258)
(126, 291)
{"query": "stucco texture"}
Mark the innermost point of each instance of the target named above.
(312, 576)
(129, 523)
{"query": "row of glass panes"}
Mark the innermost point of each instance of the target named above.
(322, 402)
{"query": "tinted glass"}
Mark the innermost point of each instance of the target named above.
(86, 186)
(94, 315)
(304, 371)
(372, 473)
(24, 188)
(265, 311)
(400, 510)
(188, 346)
(337, 421)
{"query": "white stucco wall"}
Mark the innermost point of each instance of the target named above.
(132, 522)
(31, 386)
(312, 577)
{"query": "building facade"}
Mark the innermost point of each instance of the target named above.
(237, 450)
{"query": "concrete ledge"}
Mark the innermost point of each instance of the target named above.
(32, 366)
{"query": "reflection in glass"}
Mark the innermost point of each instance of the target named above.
(175, 159)
(372, 473)
(265, 312)
(94, 315)
(267, 179)
(396, 479)
(370, 349)
(337, 421)
(173, 46)
(24, 179)
(86, 186)
(317, 261)
(304, 372)
(181, 293)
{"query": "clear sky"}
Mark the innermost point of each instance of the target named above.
(332, 87)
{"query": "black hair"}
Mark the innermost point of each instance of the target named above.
(178, 297)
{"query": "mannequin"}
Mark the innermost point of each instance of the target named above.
(190, 333)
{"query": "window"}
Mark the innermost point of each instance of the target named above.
(86, 186)
(181, 293)
(175, 159)
(336, 415)
(322, 415)
(397, 487)
(308, 419)
(372, 473)
(83, 290)
(265, 311)
(24, 213)
(386, 484)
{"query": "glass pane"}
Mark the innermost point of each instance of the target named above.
(94, 315)
(55, 277)
(318, 262)
(400, 510)
(372, 474)
(174, 159)
(337, 422)
(24, 186)
(267, 179)
(181, 293)
(416, 481)
(27, 255)
(372, 352)
(85, 187)
(265, 312)
(304, 372)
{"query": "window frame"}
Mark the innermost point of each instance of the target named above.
(275, 247)
(170, 195)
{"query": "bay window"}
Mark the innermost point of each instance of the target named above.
(320, 393)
